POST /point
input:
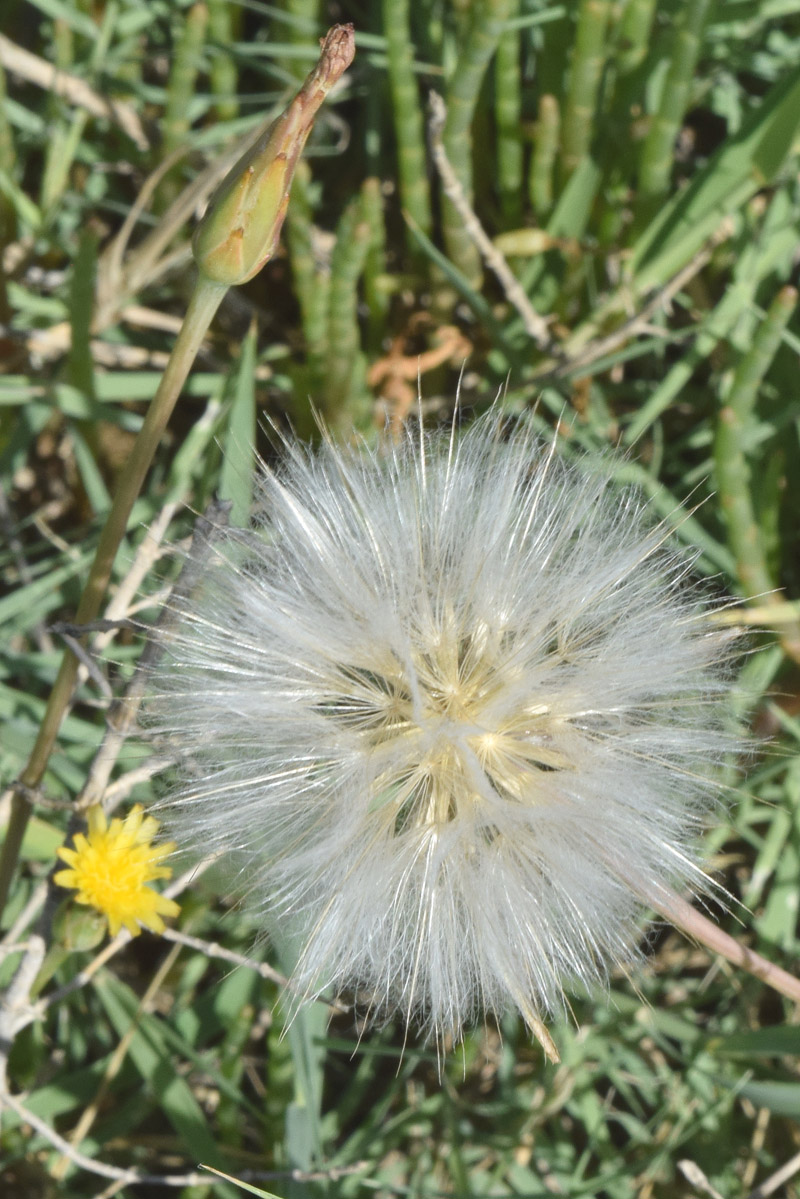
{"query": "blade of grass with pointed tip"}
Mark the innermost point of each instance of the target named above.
(744, 164)
(154, 1061)
(236, 478)
(245, 1186)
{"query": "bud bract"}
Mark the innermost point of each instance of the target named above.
(240, 229)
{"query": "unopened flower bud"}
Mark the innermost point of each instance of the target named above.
(241, 226)
(78, 929)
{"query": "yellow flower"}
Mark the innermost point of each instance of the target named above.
(111, 867)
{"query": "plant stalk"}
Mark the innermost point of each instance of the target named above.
(698, 927)
(205, 300)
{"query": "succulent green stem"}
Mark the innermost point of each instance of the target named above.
(508, 107)
(486, 26)
(658, 148)
(585, 73)
(733, 471)
(407, 114)
(545, 148)
(223, 72)
(635, 31)
(345, 406)
(186, 63)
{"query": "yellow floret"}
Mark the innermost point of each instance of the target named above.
(111, 866)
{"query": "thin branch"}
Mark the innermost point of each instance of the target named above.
(771, 1184)
(133, 1177)
(535, 325)
(17, 1010)
(699, 928)
(637, 325)
(122, 714)
(212, 950)
(27, 915)
(88, 1163)
(71, 88)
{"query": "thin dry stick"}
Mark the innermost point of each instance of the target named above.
(147, 554)
(699, 928)
(94, 1167)
(16, 1011)
(212, 950)
(535, 325)
(76, 91)
(17, 998)
(110, 283)
(115, 1063)
(111, 1190)
(122, 714)
(695, 1176)
(121, 788)
(771, 1184)
(639, 323)
(27, 915)
(133, 1177)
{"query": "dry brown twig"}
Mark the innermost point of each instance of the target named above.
(770, 1185)
(131, 1177)
(534, 324)
(635, 326)
(115, 1062)
(71, 88)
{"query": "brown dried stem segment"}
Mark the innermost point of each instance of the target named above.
(240, 229)
(698, 927)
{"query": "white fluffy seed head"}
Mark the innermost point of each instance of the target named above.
(453, 712)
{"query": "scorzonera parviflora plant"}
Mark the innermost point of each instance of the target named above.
(453, 709)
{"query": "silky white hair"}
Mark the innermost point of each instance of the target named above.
(453, 711)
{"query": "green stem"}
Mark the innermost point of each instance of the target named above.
(376, 295)
(635, 31)
(312, 287)
(181, 87)
(485, 29)
(508, 109)
(407, 115)
(657, 156)
(223, 19)
(346, 402)
(545, 148)
(585, 74)
(202, 306)
(732, 468)
(299, 27)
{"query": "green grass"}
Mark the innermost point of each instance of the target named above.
(638, 163)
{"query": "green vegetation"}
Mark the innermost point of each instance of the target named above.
(636, 165)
